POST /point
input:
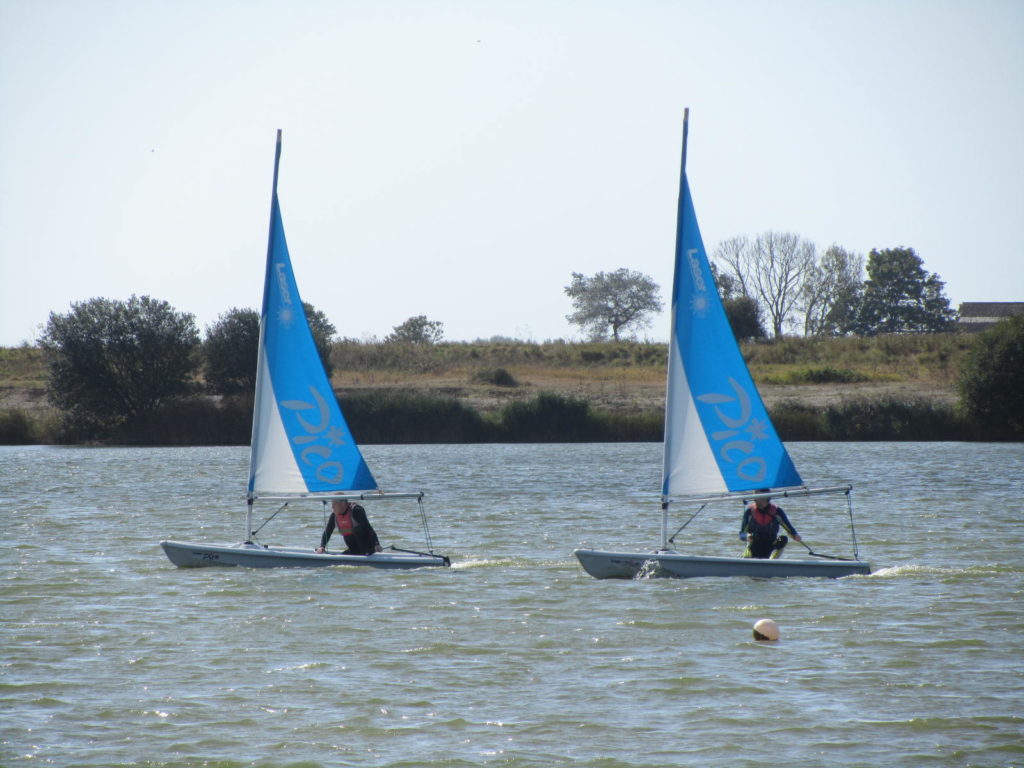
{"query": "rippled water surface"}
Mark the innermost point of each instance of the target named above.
(513, 657)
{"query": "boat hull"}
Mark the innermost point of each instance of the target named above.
(630, 565)
(191, 555)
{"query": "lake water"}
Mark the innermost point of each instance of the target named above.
(513, 657)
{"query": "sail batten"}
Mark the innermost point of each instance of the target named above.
(300, 440)
(718, 435)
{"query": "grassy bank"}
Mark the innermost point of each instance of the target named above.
(882, 388)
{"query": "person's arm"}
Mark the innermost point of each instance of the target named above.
(374, 540)
(743, 524)
(788, 525)
(328, 530)
(370, 540)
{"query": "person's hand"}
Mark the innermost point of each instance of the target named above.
(378, 548)
(797, 538)
(319, 550)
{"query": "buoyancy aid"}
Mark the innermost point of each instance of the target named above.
(763, 523)
(344, 522)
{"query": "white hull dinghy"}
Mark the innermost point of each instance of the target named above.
(302, 449)
(720, 444)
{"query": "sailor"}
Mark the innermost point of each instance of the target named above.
(760, 528)
(351, 521)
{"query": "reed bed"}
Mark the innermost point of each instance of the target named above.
(503, 390)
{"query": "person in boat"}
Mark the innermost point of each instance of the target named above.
(760, 527)
(351, 521)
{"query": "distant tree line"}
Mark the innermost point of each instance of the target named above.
(775, 284)
(795, 290)
(117, 363)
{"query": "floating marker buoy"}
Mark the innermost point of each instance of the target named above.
(766, 629)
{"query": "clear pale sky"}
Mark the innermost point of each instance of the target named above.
(462, 159)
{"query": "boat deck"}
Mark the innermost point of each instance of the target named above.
(631, 565)
(191, 555)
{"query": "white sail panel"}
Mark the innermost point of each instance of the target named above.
(690, 465)
(273, 469)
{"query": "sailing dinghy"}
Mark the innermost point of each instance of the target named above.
(302, 449)
(720, 445)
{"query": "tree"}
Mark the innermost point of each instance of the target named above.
(416, 330)
(230, 352)
(831, 292)
(744, 318)
(735, 254)
(114, 361)
(231, 348)
(323, 331)
(901, 297)
(771, 270)
(990, 383)
(743, 312)
(620, 301)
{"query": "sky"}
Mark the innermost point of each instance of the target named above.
(461, 159)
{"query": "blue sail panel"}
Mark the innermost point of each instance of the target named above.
(714, 411)
(305, 443)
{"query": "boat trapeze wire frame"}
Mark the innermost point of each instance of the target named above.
(777, 493)
(774, 493)
(343, 495)
(324, 498)
(419, 502)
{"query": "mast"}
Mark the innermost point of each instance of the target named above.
(261, 358)
(672, 340)
(682, 165)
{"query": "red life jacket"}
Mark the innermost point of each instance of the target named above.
(344, 522)
(763, 525)
(763, 517)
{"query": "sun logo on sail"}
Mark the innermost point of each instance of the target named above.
(285, 317)
(757, 429)
(335, 435)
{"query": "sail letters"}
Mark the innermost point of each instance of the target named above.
(752, 468)
(325, 434)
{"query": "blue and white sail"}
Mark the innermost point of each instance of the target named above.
(718, 437)
(301, 443)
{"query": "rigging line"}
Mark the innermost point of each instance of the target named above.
(269, 519)
(828, 557)
(853, 530)
(426, 529)
(421, 554)
(672, 538)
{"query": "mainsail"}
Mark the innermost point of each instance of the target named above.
(300, 441)
(718, 436)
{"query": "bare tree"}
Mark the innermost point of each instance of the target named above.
(830, 290)
(735, 254)
(771, 270)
